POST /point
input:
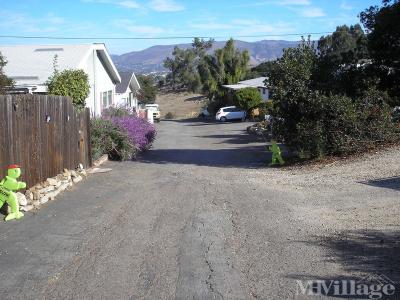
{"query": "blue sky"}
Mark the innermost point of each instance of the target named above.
(167, 18)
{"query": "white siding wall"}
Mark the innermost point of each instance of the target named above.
(99, 82)
(264, 93)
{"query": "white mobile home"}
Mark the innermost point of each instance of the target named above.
(258, 83)
(127, 90)
(31, 65)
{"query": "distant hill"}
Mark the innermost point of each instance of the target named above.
(151, 59)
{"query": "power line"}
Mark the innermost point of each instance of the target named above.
(162, 38)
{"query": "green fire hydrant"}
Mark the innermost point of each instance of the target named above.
(276, 154)
(9, 185)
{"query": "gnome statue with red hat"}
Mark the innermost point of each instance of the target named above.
(7, 186)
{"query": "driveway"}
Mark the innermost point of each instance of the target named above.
(200, 217)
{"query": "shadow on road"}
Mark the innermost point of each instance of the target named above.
(245, 157)
(388, 183)
(202, 122)
(234, 138)
(372, 254)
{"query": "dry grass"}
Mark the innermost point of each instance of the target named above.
(181, 105)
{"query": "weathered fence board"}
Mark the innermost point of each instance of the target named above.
(44, 134)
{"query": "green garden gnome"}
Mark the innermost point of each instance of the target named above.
(276, 154)
(9, 185)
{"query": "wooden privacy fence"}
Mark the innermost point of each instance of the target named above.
(44, 134)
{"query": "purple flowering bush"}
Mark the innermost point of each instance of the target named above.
(121, 135)
(140, 131)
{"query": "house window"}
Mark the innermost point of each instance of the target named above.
(264, 91)
(130, 100)
(104, 99)
(109, 97)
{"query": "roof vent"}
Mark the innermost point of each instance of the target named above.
(48, 49)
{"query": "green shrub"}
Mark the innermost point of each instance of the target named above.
(247, 98)
(337, 125)
(315, 124)
(72, 83)
(169, 116)
(108, 138)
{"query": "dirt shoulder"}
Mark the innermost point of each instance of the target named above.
(359, 193)
(180, 104)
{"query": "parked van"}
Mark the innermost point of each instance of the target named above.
(155, 109)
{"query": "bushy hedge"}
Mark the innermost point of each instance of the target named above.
(121, 135)
(336, 125)
(313, 123)
(247, 98)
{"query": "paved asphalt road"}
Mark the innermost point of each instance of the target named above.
(182, 222)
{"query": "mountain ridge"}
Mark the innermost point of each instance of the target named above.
(151, 59)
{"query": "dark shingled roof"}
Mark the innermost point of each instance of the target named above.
(121, 88)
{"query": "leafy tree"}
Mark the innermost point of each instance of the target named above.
(384, 44)
(71, 83)
(184, 63)
(248, 98)
(294, 100)
(263, 69)
(5, 82)
(201, 46)
(337, 55)
(227, 65)
(148, 89)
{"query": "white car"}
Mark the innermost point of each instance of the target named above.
(230, 113)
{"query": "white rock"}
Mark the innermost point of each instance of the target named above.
(51, 196)
(36, 203)
(67, 178)
(21, 199)
(58, 185)
(74, 174)
(45, 184)
(44, 199)
(36, 195)
(77, 179)
(54, 194)
(52, 181)
(46, 189)
(26, 208)
(29, 196)
(64, 186)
